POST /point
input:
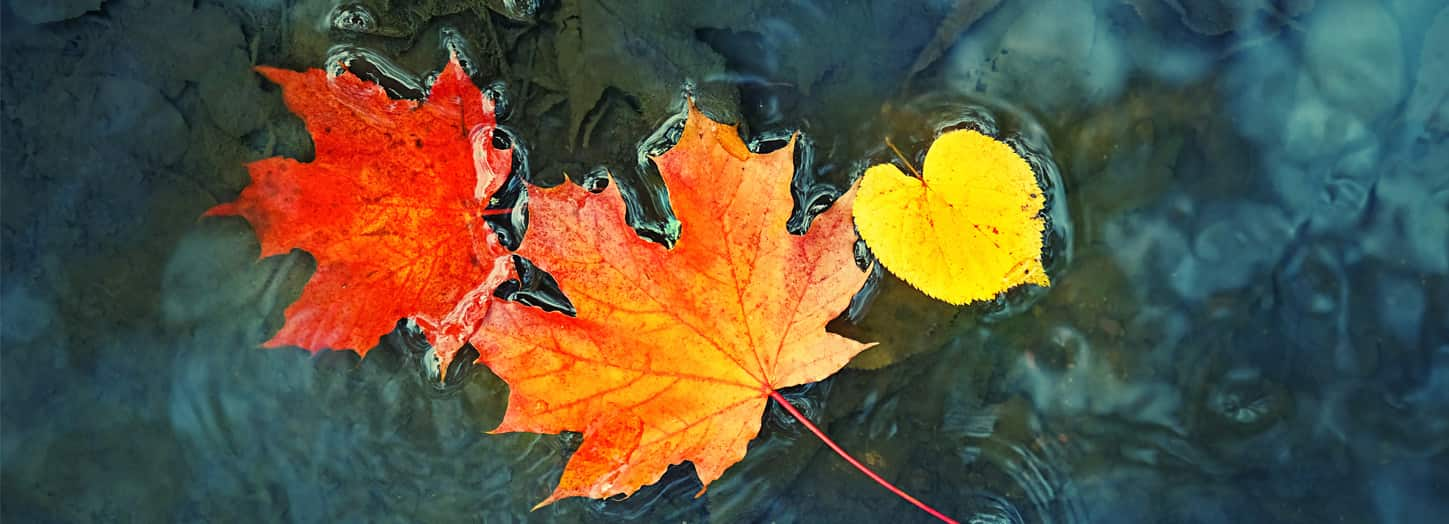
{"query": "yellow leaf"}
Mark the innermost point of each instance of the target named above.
(969, 228)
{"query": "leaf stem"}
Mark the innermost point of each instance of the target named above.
(839, 451)
(903, 158)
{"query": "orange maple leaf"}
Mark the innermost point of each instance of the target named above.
(391, 208)
(674, 352)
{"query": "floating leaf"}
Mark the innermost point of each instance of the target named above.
(674, 351)
(391, 208)
(966, 229)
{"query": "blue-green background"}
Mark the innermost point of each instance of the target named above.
(1252, 323)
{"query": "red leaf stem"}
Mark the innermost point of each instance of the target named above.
(840, 451)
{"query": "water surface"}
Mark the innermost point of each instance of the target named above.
(1249, 322)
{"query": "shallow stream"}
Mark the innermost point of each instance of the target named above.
(1249, 320)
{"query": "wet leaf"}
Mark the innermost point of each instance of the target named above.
(673, 352)
(966, 229)
(391, 208)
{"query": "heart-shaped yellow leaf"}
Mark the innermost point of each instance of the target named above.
(965, 230)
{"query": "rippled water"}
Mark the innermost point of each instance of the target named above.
(1250, 241)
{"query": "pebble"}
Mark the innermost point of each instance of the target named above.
(1354, 51)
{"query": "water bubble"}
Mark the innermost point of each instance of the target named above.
(596, 179)
(372, 66)
(353, 17)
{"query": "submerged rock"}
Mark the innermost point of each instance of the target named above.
(47, 11)
(1355, 54)
(1063, 61)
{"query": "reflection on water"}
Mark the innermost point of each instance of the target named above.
(1249, 319)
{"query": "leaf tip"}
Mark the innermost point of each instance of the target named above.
(222, 210)
(550, 500)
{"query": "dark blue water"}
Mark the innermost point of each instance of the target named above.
(1249, 322)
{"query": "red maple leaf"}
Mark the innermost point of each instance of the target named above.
(391, 209)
